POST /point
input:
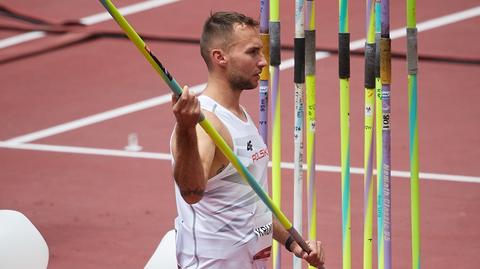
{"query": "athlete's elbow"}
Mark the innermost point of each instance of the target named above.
(191, 188)
(192, 196)
(191, 199)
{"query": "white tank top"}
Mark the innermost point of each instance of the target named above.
(230, 219)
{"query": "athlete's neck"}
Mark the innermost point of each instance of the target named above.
(220, 91)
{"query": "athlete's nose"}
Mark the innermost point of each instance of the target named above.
(263, 62)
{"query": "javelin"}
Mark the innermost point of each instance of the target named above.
(368, 139)
(378, 135)
(310, 83)
(206, 125)
(344, 76)
(385, 76)
(299, 81)
(412, 59)
(265, 75)
(275, 61)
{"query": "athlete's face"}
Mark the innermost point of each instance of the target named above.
(246, 59)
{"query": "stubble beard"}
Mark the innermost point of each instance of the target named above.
(240, 83)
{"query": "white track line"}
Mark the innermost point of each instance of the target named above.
(124, 110)
(86, 150)
(401, 32)
(424, 26)
(168, 157)
(14, 40)
(441, 21)
(286, 64)
(89, 20)
(91, 119)
(135, 8)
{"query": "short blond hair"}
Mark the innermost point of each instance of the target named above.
(221, 25)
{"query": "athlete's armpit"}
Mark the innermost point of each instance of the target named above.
(221, 168)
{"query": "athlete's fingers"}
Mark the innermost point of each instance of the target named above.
(185, 96)
(174, 99)
(321, 251)
(316, 257)
(186, 109)
(184, 101)
(298, 251)
(320, 259)
(313, 246)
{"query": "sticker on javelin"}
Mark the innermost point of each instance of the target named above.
(159, 63)
(368, 110)
(386, 121)
(263, 91)
(385, 95)
(312, 125)
(370, 92)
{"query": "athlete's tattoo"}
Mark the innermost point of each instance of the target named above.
(221, 169)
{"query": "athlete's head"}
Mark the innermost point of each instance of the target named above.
(231, 42)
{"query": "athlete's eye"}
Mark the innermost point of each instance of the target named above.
(253, 51)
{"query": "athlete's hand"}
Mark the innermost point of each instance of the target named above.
(186, 109)
(316, 258)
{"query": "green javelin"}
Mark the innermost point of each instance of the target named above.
(412, 60)
(205, 124)
(368, 139)
(310, 62)
(276, 114)
(344, 75)
(378, 135)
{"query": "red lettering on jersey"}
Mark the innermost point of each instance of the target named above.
(263, 254)
(260, 154)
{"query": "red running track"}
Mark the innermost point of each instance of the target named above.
(109, 211)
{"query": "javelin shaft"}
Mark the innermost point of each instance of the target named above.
(412, 60)
(368, 137)
(299, 84)
(344, 76)
(385, 75)
(275, 61)
(310, 62)
(204, 123)
(265, 75)
(378, 136)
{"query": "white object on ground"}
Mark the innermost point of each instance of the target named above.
(133, 143)
(21, 244)
(164, 256)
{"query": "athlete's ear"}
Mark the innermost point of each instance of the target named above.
(219, 57)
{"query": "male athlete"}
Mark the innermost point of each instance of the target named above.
(221, 223)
